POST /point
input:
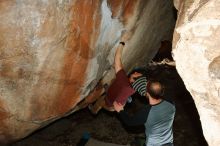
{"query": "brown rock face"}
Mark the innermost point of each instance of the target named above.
(54, 52)
(196, 51)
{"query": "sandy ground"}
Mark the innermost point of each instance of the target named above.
(106, 127)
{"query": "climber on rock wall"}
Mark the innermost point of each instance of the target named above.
(121, 88)
(157, 116)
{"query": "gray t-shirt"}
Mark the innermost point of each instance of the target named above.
(158, 122)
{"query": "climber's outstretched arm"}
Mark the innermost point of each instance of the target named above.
(118, 55)
(126, 35)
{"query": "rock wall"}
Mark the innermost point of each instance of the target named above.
(54, 52)
(197, 54)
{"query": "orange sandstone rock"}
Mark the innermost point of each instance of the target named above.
(53, 54)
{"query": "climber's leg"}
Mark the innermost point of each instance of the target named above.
(96, 93)
(98, 105)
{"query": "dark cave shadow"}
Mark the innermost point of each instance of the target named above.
(191, 111)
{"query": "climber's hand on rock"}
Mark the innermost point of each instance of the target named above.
(118, 107)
